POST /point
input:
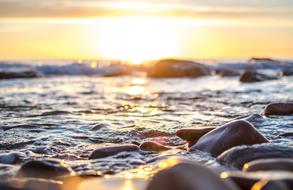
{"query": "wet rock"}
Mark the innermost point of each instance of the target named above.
(192, 135)
(249, 76)
(269, 164)
(189, 176)
(232, 134)
(287, 72)
(227, 72)
(247, 180)
(112, 150)
(279, 109)
(152, 146)
(44, 169)
(236, 157)
(30, 184)
(20, 74)
(10, 158)
(98, 127)
(177, 68)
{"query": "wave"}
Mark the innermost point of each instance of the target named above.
(34, 69)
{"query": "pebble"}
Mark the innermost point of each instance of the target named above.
(10, 158)
(112, 150)
(279, 109)
(152, 146)
(192, 135)
(44, 169)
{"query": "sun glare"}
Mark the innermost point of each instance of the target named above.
(136, 39)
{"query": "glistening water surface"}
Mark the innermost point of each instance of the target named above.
(67, 117)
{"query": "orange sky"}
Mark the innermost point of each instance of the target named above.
(141, 30)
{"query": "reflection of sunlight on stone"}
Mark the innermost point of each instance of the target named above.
(136, 90)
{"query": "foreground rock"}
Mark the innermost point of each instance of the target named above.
(236, 157)
(189, 176)
(44, 169)
(20, 74)
(249, 76)
(30, 184)
(152, 146)
(10, 158)
(279, 109)
(112, 150)
(177, 68)
(192, 135)
(248, 181)
(283, 164)
(232, 134)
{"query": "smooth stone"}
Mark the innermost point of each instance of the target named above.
(152, 146)
(189, 176)
(10, 158)
(192, 135)
(31, 184)
(283, 164)
(249, 76)
(112, 150)
(234, 133)
(279, 109)
(44, 169)
(246, 180)
(168, 68)
(236, 157)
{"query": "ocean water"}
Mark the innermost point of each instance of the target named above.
(72, 110)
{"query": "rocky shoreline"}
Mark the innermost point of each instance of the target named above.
(253, 161)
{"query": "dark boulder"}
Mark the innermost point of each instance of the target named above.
(171, 68)
(152, 146)
(283, 164)
(249, 76)
(232, 134)
(279, 109)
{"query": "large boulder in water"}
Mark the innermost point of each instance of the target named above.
(189, 176)
(232, 134)
(279, 109)
(18, 74)
(169, 68)
(236, 157)
(249, 76)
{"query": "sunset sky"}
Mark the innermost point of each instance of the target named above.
(141, 30)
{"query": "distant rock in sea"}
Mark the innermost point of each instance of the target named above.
(18, 74)
(172, 68)
(250, 76)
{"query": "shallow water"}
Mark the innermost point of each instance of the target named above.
(67, 117)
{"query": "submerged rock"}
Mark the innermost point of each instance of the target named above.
(112, 150)
(152, 146)
(279, 109)
(177, 68)
(232, 134)
(192, 135)
(236, 157)
(189, 176)
(44, 169)
(18, 74)
(283, 164)
(249, 76)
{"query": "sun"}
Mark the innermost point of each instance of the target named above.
(137, 39)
